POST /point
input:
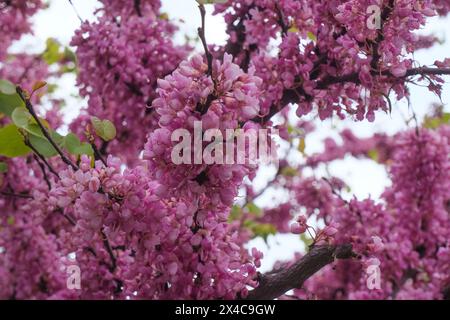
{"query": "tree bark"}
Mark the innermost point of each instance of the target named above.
(274, 284)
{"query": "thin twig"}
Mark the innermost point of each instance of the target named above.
(109, 249)
(30, 109)
(44, 173)
(97, 154)
(137, 7)
(76, 11)
(16, 195)
(201, 34)
(66, 216)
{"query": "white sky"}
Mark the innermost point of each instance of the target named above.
(364, 177)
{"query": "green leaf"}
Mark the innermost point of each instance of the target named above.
(7, 87)
(306, 240)
(73, 144)
(52, 54)
(85, 148)
(10, 221)
(43, 146)
(97, 125)
(312, 36)
(8, 102)
(34, 129)
(109, 130)
(260, 229)
(69, 55)
(11, 142)
(373, 154)
(254, 209)
(21, 117)
(235, 213)
(293, 28)
(105, 129)
(3, 167)
(436, 122)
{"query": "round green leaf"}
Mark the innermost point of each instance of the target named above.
(71, 143)
(109, 130)
(97, 125)
(105, 129)
(43, 146)
(21, 117)
(7, 87)
(74, 146)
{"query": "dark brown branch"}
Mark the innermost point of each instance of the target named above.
(201, 34)
(293, 95)
(273, 285)
(66, 216)
(30, 109)
(16, 195)
(109, 249)
(137, 7)
(281, 23)
(44, 172)
(354, 77)
(97, 154)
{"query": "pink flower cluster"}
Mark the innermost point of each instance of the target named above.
(14, 21)
(170, 248)
(119, 63)
(406, 236)
(332, 56)
(189, 95)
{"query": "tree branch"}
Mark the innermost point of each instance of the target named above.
(109, 249)
(293, 95)
(44, 173)
(137, 7)
(273, 285)
(16, 195)
(30, 109)
(201, 34)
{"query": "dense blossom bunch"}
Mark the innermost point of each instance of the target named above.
(14, 20)
(335, 56)
(167, 255)
(119, 63)
(231, 98)
(126, 9)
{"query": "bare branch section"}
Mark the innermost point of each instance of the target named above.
(274, 284)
